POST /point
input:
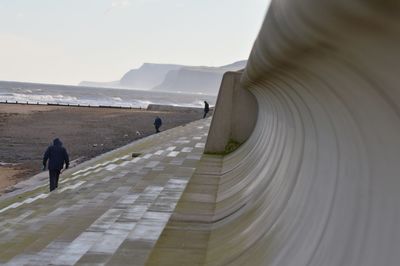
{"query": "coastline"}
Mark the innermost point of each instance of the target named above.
(27, 130)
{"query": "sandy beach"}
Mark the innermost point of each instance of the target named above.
(27, 130)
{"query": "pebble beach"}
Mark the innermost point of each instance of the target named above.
(27, 130)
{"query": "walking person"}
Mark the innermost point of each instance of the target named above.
(206, 109)
(157, 124)
(57, 155)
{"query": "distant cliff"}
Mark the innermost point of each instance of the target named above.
(147, 76)
(192, 80)
(172, 78)
(197, 79)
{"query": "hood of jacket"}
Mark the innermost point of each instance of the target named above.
(57, 142)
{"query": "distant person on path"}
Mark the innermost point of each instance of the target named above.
(206, 109)
(57, 156)
(157, 124)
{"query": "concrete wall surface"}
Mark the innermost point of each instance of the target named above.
(235, 114)
(318, 181)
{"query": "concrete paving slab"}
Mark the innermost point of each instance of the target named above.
(103, 207)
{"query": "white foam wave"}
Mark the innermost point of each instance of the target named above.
(21, 90)
(71, 100)
(36, 98)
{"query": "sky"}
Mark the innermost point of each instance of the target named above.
(67, 41)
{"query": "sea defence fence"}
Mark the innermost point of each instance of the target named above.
(317, 182)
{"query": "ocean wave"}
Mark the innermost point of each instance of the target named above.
(71, 100)
(22, 90)
(36, 98)
(101, 97)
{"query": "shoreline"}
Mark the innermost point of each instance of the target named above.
(150, 107)
(26, 131)
(69, 105)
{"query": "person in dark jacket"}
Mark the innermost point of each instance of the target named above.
(157, 124)
(206, 109)
(57, 156)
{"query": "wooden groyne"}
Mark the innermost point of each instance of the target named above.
(71, 105)
(150, 107)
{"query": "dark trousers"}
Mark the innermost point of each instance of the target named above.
(157, 128)
(205, 114)
(54, 174)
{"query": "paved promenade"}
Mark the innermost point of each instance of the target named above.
(108, 211)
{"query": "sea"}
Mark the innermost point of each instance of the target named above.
(34, 93)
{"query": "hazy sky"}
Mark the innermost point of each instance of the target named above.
(67, 41)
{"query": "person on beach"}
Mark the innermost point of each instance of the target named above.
(157, 124)
(206, 109)
(57, 156)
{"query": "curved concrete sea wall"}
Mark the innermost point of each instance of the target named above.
(235, 117)
(318, 181)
